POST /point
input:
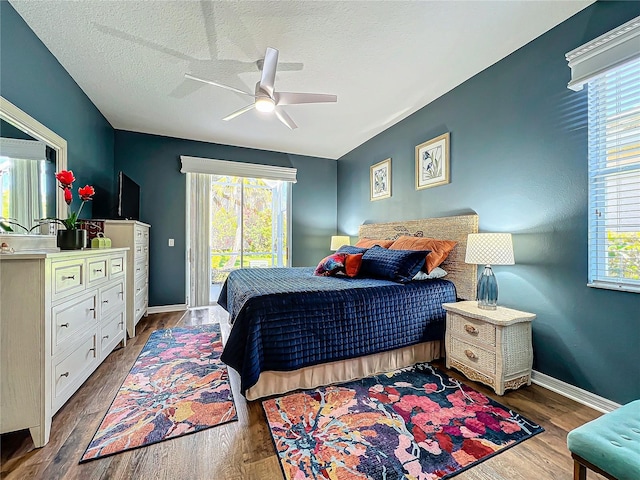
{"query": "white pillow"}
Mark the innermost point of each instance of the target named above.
(435, 273)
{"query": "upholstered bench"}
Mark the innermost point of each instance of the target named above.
(609, 445)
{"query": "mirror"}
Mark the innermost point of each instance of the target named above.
(30, 155)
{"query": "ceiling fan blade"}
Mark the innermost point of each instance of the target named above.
(269, 70)
(290, 98)
(233, 89)
(238, 112)
(284, 118)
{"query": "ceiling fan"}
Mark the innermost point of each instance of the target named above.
(266, 99)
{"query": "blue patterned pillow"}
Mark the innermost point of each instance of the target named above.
(397, 265)
(351, 249)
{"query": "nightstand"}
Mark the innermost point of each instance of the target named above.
(489, 346)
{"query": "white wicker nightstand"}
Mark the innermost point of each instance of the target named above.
(489, 346)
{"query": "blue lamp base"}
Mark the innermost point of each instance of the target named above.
(487, 290)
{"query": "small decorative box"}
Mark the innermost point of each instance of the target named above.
(100, 241)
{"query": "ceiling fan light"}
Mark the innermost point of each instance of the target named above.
(265, 104)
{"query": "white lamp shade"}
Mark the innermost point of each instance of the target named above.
(339, 240)
(489, 249)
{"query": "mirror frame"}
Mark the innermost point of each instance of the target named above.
(12, 114)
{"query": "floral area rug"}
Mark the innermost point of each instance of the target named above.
(177, 386)
(414, 423)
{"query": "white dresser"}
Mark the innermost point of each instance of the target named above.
(61, 314)
(135, 235)
(489, 346)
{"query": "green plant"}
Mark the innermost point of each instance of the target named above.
(623, 251)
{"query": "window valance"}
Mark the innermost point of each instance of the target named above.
(237, 169)
(612, 49)
(22, 149)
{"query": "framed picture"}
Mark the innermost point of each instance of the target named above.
(432, 162)
(381, 180)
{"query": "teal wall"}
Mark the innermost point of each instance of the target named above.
(153, 162)
(32, 79)
(519, 159)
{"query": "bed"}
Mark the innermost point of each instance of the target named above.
(291, 329)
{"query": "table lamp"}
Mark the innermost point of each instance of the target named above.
(489, 249)
(339, 240)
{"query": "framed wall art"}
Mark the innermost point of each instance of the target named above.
(432, 162)
(380, 178)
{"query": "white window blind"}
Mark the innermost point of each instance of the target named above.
(614, 178)
(610, 66)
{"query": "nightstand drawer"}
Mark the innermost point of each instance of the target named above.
(471, 329)
(472, 355)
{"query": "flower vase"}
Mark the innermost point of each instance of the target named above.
(72, 239)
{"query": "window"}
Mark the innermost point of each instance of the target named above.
(613, 81)
(237, 217)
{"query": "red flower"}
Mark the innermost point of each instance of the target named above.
(66, 178)
(68, 196)
(86, 192)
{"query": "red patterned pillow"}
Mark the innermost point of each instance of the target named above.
(331, 265)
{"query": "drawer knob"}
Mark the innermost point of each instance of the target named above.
(65, 325)
(97, 270)
(105, 336)
(117, 265)
(65, 374)
(470, 354)
(69, 277)
(105, 301)
(471, 329)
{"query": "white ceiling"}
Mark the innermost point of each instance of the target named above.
(383, 59)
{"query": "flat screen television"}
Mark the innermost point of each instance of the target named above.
(128, 198)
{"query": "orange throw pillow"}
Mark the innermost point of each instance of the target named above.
(440, 249)
(368, 243)
(352, 264)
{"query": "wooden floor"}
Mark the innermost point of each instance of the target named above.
(243, 449)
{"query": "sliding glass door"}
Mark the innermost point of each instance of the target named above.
(249, 224)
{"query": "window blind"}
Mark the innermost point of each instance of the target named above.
(614, 178)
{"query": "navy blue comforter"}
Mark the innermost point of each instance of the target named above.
(287, 318)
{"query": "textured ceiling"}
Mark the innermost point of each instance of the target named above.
(384, 60)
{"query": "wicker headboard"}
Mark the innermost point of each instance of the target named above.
(463, 275)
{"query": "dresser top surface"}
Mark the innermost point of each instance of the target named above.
(59, 254)
(499, 316)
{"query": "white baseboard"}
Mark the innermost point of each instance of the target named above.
(574, 393)
(180, 307)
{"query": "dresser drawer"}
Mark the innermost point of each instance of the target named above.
(112, 297)
(141, 234)
(116, 266)
(72, 319)
(68, 371)
(471, 330)
(140, 269)
(472, 355)
(67, 277)
(97, 270)
(111, 333)
(140, 305)
(140, 253)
